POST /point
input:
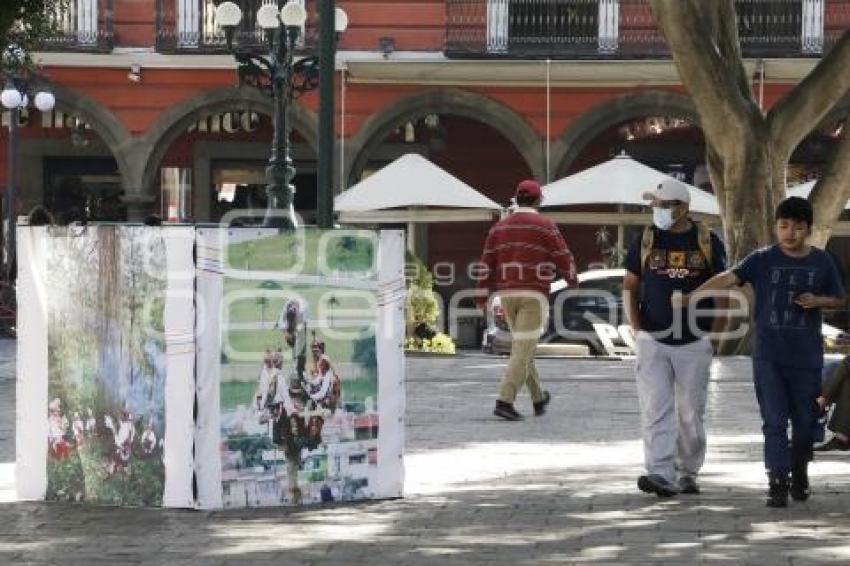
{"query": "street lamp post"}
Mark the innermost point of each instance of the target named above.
(279, 75)
(14, 97)
(328, 33)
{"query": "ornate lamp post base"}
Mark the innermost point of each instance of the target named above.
(280, 213)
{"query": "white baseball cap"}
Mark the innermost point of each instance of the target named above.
(669, 189)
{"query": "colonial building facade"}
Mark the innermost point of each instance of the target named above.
(150, 118)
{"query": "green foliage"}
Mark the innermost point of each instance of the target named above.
(439, 344)
(25, 24)
(84, 476)
(251, 446)
(350, 253)
(421, 305)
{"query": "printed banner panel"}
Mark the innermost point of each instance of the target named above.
(110, 310)
(303, 401)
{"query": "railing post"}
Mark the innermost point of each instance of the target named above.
(812, 33)
(188, 22)
(87, 21)
(108, 19)
(609, 26)
(497, 26)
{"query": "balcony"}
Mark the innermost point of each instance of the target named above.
(188, 26)
(623, 29)
(82, 25)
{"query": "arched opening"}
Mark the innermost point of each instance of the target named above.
(66, 163)
(217, 164)
(199, 152)
(474, 152)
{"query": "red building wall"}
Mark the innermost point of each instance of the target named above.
(134, 24)
(414, 25)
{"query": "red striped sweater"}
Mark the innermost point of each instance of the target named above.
(525, 251)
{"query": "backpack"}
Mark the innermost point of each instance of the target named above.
(703, 241)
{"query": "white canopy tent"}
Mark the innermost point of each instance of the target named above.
(618, 181)
(621, 180)
(412, 189)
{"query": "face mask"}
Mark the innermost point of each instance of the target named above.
(662, 218)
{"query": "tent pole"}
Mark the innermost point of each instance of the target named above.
(621, 234)
(411, 237)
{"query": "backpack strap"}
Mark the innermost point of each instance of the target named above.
(704, 241)
(646, 242)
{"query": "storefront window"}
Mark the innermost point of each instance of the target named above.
(176, 185)
(83, 189)
(242, 185)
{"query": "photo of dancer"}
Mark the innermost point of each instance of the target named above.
(298, 394)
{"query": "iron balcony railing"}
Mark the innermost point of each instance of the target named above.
(574, 29)
(189, 26)
(81, 25)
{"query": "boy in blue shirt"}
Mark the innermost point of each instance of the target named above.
(793, 281)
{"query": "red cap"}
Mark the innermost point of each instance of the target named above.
(529, 188)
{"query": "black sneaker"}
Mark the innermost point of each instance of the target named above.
(656, 484)
(777, 494)
(688, 485)
(540, 406)
(800, 490)
(506, 411)
(833, 443)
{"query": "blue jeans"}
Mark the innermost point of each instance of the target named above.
(785, 393)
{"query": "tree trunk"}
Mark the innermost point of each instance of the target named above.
(748, 178)
(829, 196)
(108, 309)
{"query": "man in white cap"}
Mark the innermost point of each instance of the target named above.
(676, 254)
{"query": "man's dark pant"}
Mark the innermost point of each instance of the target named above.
(836, 389)
(784, 392)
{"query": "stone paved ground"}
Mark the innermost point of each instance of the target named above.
(552, 490)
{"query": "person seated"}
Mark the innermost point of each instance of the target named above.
(836, 391)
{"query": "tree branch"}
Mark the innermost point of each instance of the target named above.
(793, 117)
(832, 191)
(702, 62)
(730, 47)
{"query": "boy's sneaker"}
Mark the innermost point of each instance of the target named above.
(834, 443)
(506, 411)
(688, 485)
(656, 484)
(540, 406)
(777, 494)
(800, 490)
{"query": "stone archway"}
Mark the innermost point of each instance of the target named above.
(453, 102)
(154, 144)
(111, 131)
(112, 141)
(582, 131)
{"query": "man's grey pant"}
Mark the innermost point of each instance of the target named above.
(672, 383)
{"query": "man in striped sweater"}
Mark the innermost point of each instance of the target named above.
(523, 254)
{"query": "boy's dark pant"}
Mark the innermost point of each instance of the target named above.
(784, 392)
